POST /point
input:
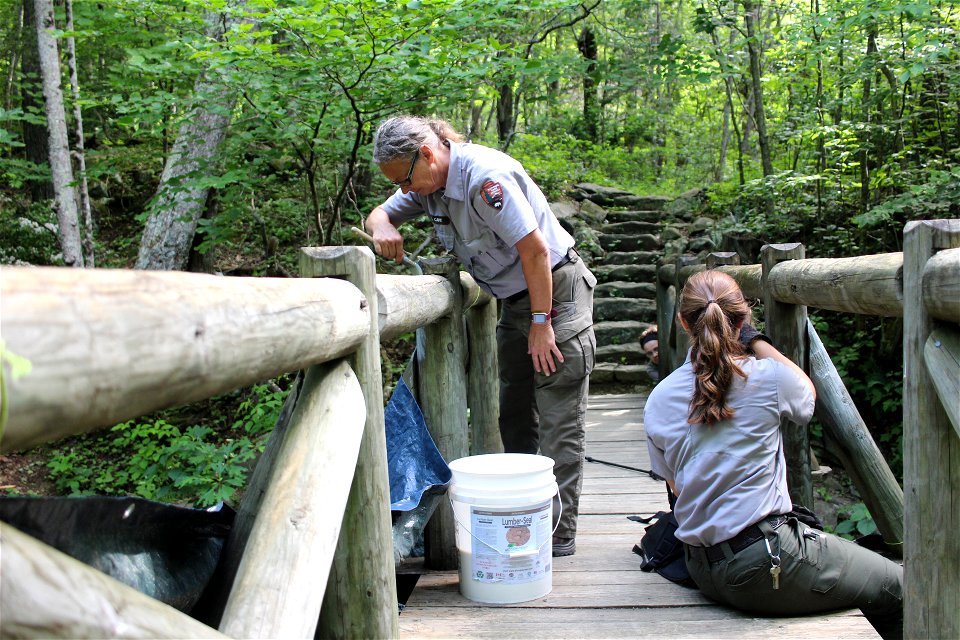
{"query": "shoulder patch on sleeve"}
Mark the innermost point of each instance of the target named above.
(492, 194)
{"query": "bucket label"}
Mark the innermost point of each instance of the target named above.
(510, 545)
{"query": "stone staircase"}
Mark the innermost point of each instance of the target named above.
(623, 237)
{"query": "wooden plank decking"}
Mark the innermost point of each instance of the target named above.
(600, 592)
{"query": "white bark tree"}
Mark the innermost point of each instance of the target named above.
(88, 258)
(169, 232)
(60, 165)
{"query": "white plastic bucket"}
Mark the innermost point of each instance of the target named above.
(503, 506)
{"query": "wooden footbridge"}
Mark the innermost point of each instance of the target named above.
(601, 592)
(310, 554)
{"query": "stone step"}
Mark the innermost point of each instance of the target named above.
(631, 228)
(629, 353)
(651, 215)
(624, 309)
(632, 257)
(628, 272)
(628, 242)
(611, 373)
(613, 242)
(623, 289)
(619, 331)
(614, 197)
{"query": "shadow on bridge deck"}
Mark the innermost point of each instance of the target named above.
(600, 592)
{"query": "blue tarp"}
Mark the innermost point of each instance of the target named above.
(419, 475)
(413, 459)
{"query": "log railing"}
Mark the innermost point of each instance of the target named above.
(312, 538)
(922, 285)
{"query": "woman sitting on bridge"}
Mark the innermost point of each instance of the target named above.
(713, 431)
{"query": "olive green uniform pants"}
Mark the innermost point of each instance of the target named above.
(545, 414)
(818, 572)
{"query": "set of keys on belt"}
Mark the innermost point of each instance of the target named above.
(774, 565)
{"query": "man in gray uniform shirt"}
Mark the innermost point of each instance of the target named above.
(487, 210)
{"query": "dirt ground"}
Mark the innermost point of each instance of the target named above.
(25, 474)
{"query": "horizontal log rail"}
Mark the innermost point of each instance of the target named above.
(408, 302)
(111, 345)
(869, 285)
(120, 344)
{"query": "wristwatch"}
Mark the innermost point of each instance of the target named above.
(539, 318)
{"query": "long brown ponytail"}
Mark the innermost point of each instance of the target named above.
(713, 308)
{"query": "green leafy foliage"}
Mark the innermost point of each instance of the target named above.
(859, 522)
(158, 460)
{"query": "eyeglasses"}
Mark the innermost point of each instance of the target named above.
(409, 179)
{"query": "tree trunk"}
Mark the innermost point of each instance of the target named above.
(60, 167)
(179, 203)
(16, 52)
(505, 112)
(88, 258)
(821, 146)
(750, 12)
(865, 140)
(724, 143)
(746, 99)
(587, 44)
(31, 101)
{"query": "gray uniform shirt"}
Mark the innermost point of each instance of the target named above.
(732, 474)
(488, 205)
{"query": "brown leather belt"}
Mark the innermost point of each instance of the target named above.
(743, 539)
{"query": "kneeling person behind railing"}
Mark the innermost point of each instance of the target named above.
(713, 431)
(487, 210)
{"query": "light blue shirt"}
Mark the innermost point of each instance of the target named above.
(487, 206)
(732, 474)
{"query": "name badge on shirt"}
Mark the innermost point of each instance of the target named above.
(440, 219)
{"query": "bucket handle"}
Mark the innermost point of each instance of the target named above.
(494, 549)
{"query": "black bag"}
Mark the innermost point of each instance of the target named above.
(163, 550)
(661, 551)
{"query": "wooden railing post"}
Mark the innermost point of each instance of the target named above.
(276, 592)
(483, 380)
(722, 258)
(666, 317)
(786, 324)
(361, 596)
(443, 400)
(679, 339)
(931, 450)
